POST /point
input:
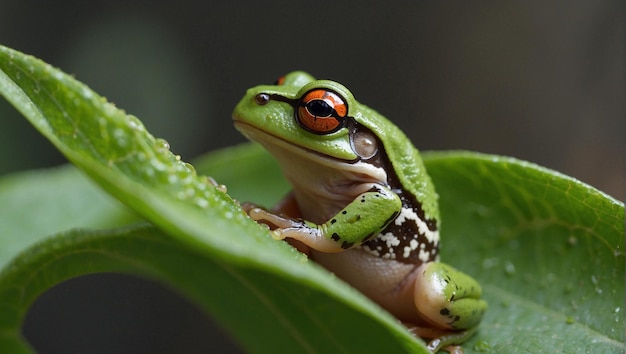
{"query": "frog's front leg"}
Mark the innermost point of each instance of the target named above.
(449, 300)
(364, 217)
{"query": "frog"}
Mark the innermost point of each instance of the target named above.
(361, 205)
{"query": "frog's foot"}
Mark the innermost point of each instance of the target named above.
(441, 339)
(262, 215)
(304, 234)
(448, 298)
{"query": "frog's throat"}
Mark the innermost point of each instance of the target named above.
(282, 149)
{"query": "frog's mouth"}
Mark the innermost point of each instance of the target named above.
(274, 143)
(287, 153)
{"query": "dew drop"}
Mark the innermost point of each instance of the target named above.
(190, 168)
(489, 263)
(148, 172)
(158, 165)
(88, 94)
(120, 137)
(186, 179)
(162, 144)
(202, 203)
(134, 123)
(509, 268)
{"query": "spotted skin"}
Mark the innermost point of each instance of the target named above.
(410, 237)
(363, 218)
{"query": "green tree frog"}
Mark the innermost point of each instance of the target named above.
(362, 204)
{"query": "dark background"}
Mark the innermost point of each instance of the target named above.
(541, 81)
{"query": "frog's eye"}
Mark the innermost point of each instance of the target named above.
(321, 111)
(262, 99)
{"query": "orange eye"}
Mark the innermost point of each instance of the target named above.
(321, 111)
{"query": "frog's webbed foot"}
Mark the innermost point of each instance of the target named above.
(295, 231)
(440, 339)
(275, 221)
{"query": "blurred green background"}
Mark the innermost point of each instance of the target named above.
(541, 81)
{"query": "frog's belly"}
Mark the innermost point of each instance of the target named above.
(389, 283)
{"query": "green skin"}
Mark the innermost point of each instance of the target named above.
(355, 190)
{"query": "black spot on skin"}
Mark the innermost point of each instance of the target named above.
(346, 245)
(333, 221)
(457, 318)
(444, 312)
(335, 236)
(358, 217)
(344, 212)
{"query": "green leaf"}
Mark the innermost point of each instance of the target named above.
(548, 250)
(39, 203)
(117, 152)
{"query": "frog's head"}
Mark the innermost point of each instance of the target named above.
(301, 112)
